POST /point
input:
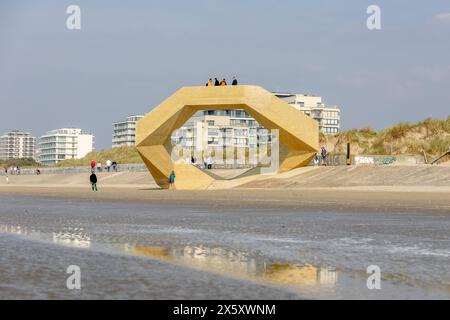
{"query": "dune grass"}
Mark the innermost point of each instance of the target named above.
(430, 136)
(22, 163)
(120, 155)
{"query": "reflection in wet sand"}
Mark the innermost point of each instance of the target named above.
(15, 229)
(75, 237)
(79, 239)
(228, 262)
(239, 265)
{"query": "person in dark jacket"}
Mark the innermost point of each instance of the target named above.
(235, 82)
(93, 179)
(324, 154)
(216, 82)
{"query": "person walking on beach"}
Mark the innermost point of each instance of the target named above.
(172, 181)
(216, 82)
(209, 162)
(323, 153)
(316, 160)
(92, 165)
(235, 82)
(93, 179)
(223, 83)
(108, 165)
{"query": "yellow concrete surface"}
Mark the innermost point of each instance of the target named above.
(299, 134)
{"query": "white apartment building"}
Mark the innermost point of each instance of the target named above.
(221, 128)
(16, 145)
(328, 117)
(124, 132)
(62, 144)
(225, 131)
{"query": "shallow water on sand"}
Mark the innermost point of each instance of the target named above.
(163, 251)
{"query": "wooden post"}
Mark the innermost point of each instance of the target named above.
(349, 160)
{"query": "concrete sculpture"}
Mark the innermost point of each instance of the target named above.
(298, 133)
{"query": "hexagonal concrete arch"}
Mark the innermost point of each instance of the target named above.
(298, 133)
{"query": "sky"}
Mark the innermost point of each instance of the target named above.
(129, 56)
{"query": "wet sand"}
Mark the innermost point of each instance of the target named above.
(27, 274)
(375, 199)
(145, 250)
(290, 241)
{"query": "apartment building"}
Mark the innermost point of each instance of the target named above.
(124, 132)
(328, 117)
(62, 144)
(230, 132)
(17, 144)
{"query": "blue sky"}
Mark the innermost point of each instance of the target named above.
(131, 55)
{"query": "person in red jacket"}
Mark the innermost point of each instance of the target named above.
(92, 165)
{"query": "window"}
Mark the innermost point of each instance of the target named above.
(213, 132)
(213, 140)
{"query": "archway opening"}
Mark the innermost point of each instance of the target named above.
(227, 143)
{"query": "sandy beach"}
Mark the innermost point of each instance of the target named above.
(333, 199)
(380, 189)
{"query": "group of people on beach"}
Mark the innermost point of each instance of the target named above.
(217, 83)
(13, 170)
(322, 158)
(207, 162)
(110, 165)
